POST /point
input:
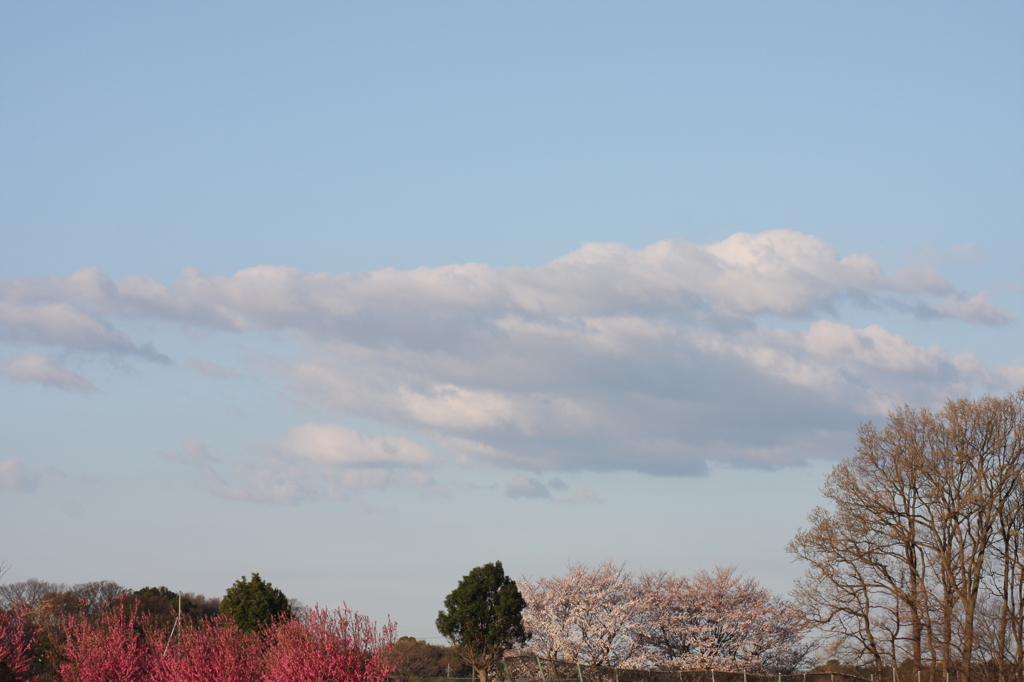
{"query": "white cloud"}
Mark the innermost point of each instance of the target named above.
(37, 368)
(658, 359)
(64, 325)
(340, 445)
(779, 272)
(977, 309)
(450, 406)
(59, 324)
(17, 477)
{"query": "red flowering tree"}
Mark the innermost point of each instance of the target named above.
(109, 647)
(16, 639)
(338, 645)
(214, 650)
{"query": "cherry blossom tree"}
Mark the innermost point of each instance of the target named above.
(590, 616)
(16, 639)
(723, 621)
(338, 645)
(711, 621)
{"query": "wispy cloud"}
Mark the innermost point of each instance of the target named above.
(318, 461)
(17, 477)
(581, 495)
(37, 368)
(211, 369)
(533, 488)
(289, 481)
(521, 486)
(196, 455)
(340, 445)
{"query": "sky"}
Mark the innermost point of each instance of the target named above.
(360, 296)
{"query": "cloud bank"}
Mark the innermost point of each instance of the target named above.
(660, 359)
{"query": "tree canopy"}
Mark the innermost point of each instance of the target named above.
(254, 603)
(483, 617)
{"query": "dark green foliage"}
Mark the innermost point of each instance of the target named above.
(252, 604)
(483, 617)
(161, 604)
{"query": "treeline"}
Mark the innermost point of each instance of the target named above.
(919, 560)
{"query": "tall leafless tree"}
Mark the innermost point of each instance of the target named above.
(919, 555)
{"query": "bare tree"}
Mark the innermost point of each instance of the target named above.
(28, 593)
(918, 558)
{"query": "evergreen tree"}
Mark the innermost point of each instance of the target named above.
(253, 604)
(483, 617)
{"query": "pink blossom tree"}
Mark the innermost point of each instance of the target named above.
(711, 621)
(16, 639)
(213, 650)
(109, 647)
(723, 621)
(589, 616)
(339, 646)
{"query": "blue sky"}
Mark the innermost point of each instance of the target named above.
(360, 296)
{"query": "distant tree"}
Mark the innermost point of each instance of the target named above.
(99, 595)
(254, 604)
(28, 593)
(416, 658)
(159, 603)
(207, 607)
(483, 617)
(54, 609)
